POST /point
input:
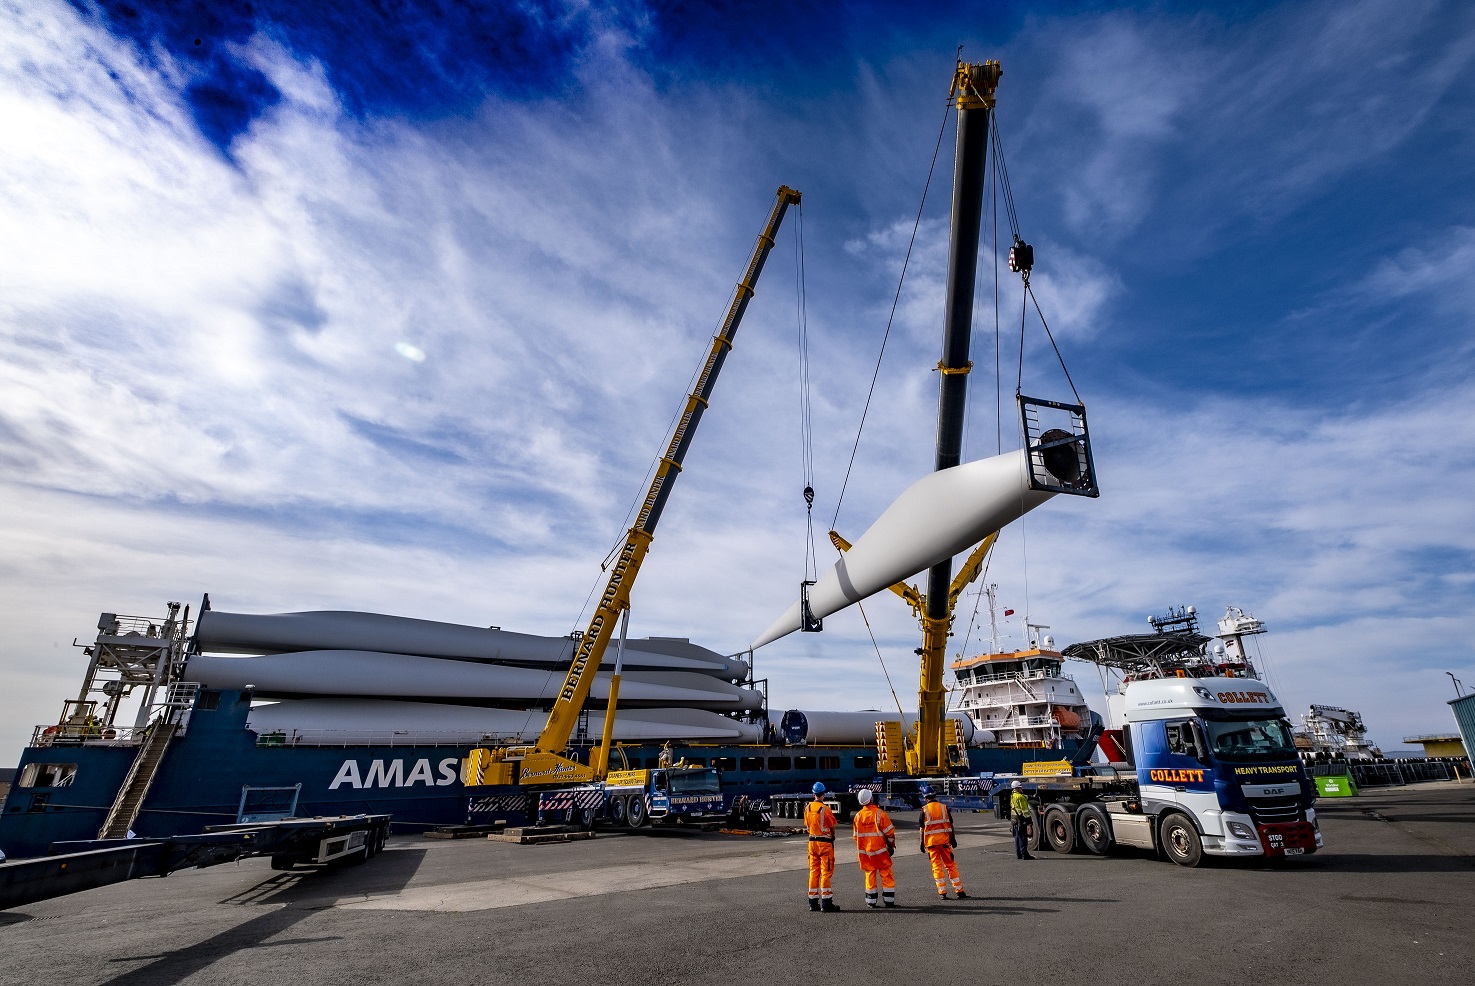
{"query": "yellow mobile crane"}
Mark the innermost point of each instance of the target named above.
(545, 762)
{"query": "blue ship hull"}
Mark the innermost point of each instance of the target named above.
(202, 777)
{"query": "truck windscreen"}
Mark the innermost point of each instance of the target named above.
(1251, 739)
(695, 782)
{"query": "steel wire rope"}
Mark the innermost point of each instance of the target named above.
(806, 419)
(906, 261)
(865, 619)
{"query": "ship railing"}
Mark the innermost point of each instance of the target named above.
(383, 737)
(996, 679)
(91, 734)
(1018, 722)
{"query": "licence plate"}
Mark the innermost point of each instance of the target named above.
(1295, 852)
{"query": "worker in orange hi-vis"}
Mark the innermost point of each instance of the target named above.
(819, 821)
(938, 842)
(875, 841)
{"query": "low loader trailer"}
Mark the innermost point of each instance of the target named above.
(1205, 767)
(86, 865)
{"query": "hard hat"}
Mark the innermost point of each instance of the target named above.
(1016, 785)
(925, 791)
(818, 788)
(864, 797)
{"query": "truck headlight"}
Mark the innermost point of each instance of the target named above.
(1240, 830)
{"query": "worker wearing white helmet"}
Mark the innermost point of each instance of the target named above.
(875, 842)
(1023, 818)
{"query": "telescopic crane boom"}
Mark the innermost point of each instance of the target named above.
(544, 762)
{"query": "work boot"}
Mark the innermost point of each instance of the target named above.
(814, 905)
(962, 896)
(891, 903)
(829, 905)
(942, 896)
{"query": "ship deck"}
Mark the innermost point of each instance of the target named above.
(1388, 900)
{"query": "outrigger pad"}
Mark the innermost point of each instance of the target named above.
(1059, 447)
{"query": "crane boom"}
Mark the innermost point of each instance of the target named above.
(543, 762)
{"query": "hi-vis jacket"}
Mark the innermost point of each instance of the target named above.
(875, 836)
(820, 822)
(936, 824)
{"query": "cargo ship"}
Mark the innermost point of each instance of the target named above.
(361, 734)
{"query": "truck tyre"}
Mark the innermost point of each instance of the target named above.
(636, 812)
(282, 861)
(1094, 830)
(584, 818)
(1036, 833)
(619, 811)
(1060, 830)
(1180, 841)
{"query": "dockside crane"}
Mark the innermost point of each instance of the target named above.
(545, 762)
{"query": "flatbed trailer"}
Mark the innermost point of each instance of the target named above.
(76, 866)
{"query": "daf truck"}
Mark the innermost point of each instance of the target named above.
(1205, 766)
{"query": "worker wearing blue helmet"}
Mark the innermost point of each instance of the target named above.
(819, 821)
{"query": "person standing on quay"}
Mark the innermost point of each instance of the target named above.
(819, 821)
(875, 842)
(1023, 817)
(938, 841)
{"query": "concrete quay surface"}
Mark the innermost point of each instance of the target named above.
(1388, 901)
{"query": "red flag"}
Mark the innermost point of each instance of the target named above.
(1008, 612)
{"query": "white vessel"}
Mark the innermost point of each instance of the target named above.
(1020, 698)
(1336, 733)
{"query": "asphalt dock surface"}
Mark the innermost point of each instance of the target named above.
(1388, 901)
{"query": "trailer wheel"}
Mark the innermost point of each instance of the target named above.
(1060, 830)
(637, 814)
(1036, 833)
(1181, 842)
(1094, 829)
(619, 811)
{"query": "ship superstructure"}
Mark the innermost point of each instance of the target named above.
(1019, 698)
(1336, 733)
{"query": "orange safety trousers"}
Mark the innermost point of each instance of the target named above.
(821, 870)
(944, 869)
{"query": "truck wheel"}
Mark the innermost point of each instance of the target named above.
(637, 814)
(282, 861)
(584, 819)
(1181, 842)
(1036, 833)
(1094, 829)
(1060, 830)
(618, 812)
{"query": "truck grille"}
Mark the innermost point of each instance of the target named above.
(1284, 810)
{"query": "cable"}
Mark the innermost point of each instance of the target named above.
(1031, 292)
(806, 421)
(877, 646)
(890, 318)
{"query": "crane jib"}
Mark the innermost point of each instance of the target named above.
(616, 598)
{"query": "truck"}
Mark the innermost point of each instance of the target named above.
(626, 799)
(1205, 766)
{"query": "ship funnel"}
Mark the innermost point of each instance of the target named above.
(938, 516)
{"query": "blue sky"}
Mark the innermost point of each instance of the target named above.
(387, 307)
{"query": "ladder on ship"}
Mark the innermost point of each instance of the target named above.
(145, 766)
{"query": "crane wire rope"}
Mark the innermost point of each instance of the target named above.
(877, 648)
(806, 418)
(906, 261)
